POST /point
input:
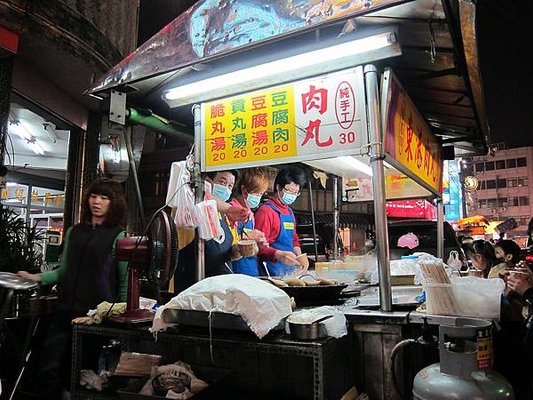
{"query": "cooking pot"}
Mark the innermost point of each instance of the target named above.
(308, 330)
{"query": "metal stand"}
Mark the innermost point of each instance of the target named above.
(320, 368)
(11, 283)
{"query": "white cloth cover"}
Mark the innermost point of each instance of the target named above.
(261, 304)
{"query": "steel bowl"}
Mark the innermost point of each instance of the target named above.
(308, 330)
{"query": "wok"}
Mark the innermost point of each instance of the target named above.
(319, 294)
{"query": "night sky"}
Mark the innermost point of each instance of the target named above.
(505, 42)
(505, 39)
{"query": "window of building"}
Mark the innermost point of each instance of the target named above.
(482, 185)
(480, 167)
(501, 183)
(521, 162)
(511, 163)
(491, 184)
(500, 164)
(522, 181)
(492, 203)
(482, 203)
(512, 182)
(502, 202)
(523, 201)
(513, 201)
(489, 166)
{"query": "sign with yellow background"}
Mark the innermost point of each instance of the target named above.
(315, 118)
(409, 143)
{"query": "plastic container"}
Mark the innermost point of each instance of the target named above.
(467, 297)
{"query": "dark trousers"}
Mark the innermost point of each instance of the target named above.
(55, 360)
(514, 359)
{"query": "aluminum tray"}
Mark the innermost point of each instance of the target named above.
(200, 319)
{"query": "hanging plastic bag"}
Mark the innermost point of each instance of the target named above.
(181, 197)
(209, 226)
(454, 262)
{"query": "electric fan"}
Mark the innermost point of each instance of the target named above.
(153, 256)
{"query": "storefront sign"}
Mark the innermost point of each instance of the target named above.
(411, 209)
(310, 119)
(409, 143)
(397, 186)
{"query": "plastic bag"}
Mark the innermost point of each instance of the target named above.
(181, 197)
(335, 326)
(209, 226)
(454, 262)
(465, 296)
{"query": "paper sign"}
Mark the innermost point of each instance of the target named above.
(315, 118)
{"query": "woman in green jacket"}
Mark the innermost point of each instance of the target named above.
(87, 276)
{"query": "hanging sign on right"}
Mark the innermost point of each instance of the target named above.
(410, 145)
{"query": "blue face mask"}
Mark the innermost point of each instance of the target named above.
(288, 198)
(221, 192)
(253, 200)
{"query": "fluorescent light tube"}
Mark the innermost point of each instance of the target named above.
(355, 164)
(20, 130)
(315, 62)
(35, 146)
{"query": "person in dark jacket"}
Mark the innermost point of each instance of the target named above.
(87, 276)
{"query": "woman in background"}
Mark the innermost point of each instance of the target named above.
(252, 185)
(87, 276)
(482, 255)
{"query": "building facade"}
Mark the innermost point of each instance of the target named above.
(504, 186)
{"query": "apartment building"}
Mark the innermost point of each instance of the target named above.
(504, 186)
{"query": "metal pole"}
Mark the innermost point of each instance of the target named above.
(198, 183)
(312, 205)
(27, 217)
(440, 228)
(127, 139)
(335, 217)
(378, 185)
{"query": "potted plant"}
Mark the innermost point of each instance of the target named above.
(19, 247)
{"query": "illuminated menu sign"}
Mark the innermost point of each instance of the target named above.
(409, 143)
(316, 118)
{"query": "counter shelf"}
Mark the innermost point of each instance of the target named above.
(274, 366)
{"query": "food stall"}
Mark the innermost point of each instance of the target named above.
(324, 88)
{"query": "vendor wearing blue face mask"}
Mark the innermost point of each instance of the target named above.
(253, 184)
(276, 219)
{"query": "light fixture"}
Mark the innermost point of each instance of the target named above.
(336, 57)
(50, 130)
(19, 129)
(355, 164)
(345, 166)
(35, 146)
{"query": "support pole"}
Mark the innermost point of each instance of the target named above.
(440, 228)
(312, 205)
(335, 217)
(378, 185)
(199, 186)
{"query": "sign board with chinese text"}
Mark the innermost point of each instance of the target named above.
(411, 209)
(397, 186)
(315, 118)
(410, 145)
(18, 196)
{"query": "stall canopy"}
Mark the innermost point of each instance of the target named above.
(434, 56)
